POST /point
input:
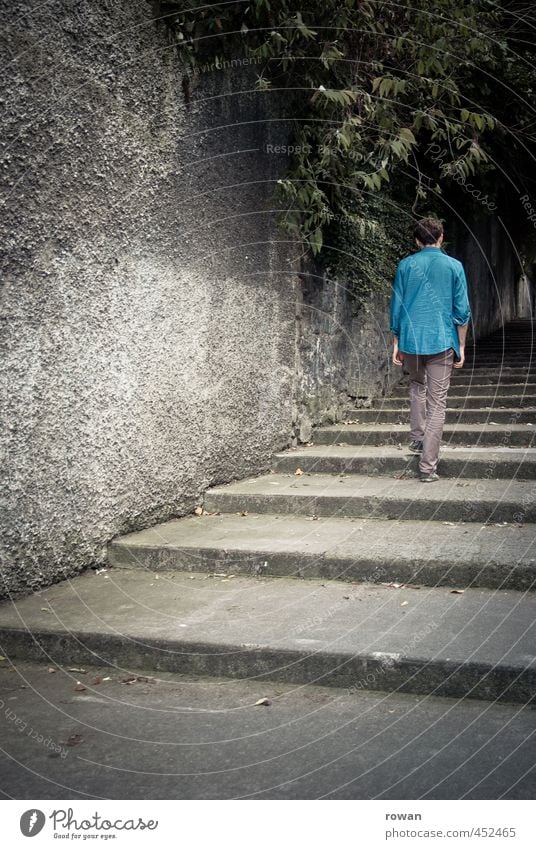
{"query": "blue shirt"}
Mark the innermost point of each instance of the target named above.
(429, 300)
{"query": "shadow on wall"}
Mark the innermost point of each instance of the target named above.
(499, 290)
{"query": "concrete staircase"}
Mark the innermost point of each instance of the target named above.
(339, 567)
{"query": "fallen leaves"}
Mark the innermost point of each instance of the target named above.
(133, 679)
(263, 702)
(396, 586)
(457, 592)
(80, 687)
(298, 472)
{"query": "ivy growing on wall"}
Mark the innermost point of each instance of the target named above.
(377, 89)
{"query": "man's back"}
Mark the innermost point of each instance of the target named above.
(429, 301)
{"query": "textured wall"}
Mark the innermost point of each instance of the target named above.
(344, 359)
(148, 313)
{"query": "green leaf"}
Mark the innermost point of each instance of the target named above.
(406, 134)
(316, 240)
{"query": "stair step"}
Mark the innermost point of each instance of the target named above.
(386, 460)
(479, 644)
(469, 401)
(493, 378)
(497, 372)
(366, 550)
(511, 344)
(507, 435)
(475, 395)
(360, 496)
(498, 363)
(476, 415)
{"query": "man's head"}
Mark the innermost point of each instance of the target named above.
(428, 231)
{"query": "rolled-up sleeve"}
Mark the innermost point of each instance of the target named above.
(397, 298)
(461, 311)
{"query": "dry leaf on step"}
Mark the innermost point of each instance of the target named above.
(263, 702)
(298, 472)
(74, 740)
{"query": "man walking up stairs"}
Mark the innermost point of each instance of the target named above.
(429, 319)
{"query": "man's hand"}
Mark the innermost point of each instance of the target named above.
(462, 335)
(398, 357)
(459, 363)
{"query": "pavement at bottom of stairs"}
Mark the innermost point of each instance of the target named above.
(185, 737)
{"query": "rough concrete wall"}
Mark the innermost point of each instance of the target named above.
(344, 358)
(148, 316)
(498, 289)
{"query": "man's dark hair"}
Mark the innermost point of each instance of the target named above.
(428, 230)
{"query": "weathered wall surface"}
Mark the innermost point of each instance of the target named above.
(344, 358)
(148, 312)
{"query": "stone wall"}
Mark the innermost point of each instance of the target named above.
(148, 304)
(344, 358)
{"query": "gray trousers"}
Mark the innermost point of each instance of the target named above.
(429, 376)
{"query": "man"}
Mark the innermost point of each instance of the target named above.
(429, 318)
